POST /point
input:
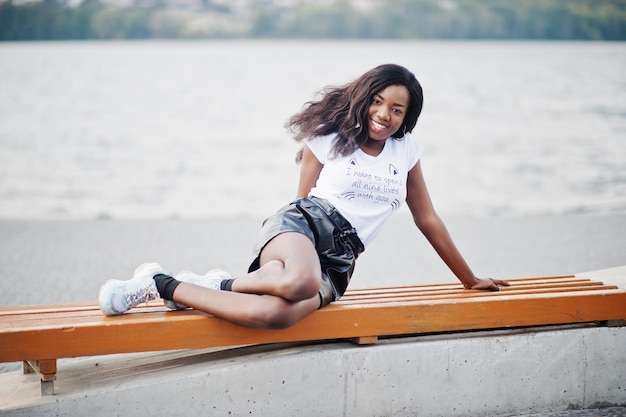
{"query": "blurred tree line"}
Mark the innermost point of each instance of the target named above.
(391, 19)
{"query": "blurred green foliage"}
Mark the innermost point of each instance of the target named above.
(391, 19)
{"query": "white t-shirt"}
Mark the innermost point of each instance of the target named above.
(365, 189)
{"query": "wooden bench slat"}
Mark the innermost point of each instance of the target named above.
(77, 306)
(45, 308)
(158, 329)
(36, 317)
(470, 294)
(538, 282)
(460, 291)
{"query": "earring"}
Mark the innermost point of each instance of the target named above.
(404, 131)
(358, 125)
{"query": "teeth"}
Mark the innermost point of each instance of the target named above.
(378, 125)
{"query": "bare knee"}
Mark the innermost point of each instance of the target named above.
(301, 283)
(294, 281)
(291, 258)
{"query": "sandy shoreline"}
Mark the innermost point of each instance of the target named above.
(67, 261)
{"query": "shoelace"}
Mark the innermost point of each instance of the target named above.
(142, 295)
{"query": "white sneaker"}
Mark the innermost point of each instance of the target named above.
(212, 280)
(117, 297)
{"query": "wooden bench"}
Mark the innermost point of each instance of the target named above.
(39, 335)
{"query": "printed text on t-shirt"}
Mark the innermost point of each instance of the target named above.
(377, 188)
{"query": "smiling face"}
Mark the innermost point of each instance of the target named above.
(386, 112)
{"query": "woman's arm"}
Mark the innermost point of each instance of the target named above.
(309, 172)
(433, 228)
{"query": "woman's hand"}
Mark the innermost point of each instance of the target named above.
(488, 284)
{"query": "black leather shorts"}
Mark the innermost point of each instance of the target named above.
(335, 240)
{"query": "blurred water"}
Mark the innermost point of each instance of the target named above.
(195, 129)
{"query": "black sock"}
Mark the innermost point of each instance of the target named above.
(227, 284)
(166, 286)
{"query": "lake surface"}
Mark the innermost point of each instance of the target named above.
(194, 129)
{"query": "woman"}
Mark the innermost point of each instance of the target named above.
(358, 164)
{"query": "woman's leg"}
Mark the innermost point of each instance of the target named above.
(280, 293)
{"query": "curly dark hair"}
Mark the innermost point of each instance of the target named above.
(344, 110)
